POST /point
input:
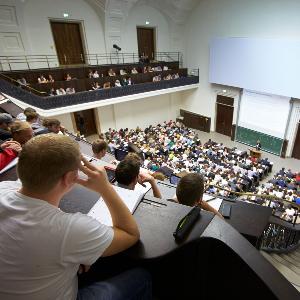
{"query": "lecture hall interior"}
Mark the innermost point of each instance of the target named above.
(187, 112)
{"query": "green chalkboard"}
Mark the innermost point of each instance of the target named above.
(269, 143)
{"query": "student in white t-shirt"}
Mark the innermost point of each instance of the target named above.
(42, 247)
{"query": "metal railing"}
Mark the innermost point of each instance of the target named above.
(31, 62)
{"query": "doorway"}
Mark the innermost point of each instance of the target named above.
(85, 122)
(146, 44)
(224, 115)
(68, 42)
(296, 149)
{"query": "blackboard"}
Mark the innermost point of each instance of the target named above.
(269, 143)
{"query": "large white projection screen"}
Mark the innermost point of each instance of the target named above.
(266, 65)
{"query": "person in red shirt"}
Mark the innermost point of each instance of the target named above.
(9, 151)
(298, 177)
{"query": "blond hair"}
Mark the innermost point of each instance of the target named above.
(19, 126)
(45, 159)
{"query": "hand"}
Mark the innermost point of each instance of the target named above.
(97, 178)
(83, 269)
(145, 177)
(11, 145)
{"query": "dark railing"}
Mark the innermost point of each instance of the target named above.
(90, 96)
(31, 62)
(280, 236)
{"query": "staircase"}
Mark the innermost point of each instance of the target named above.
(288, 264)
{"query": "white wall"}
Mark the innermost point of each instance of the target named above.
(66, 121)
(232, 18)
(141, 112)
(137, 17)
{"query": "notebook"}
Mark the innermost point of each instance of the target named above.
(101, 213)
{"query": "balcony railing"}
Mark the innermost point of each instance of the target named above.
(31, 62)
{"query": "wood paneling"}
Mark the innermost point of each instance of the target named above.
(145, 38)
(68, 42)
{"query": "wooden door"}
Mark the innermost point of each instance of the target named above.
(68, 43)
(146, 44)
(296, 149)
(224, 119)
(85, 122)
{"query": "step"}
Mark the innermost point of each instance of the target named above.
(290, 259)
(294, 257)
(290, 275)
(287, 263)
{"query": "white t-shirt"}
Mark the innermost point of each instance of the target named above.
(41, 247)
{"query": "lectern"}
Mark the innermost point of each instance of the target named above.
(255, 153)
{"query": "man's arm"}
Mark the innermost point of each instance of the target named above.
(208, 207)
(145, 177)
(126, 232)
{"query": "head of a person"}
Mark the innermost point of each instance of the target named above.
(28, 110)
(52, 124)
(6, 121)
(32, 117)
(127, 173)
(190, 189)
(21, 132)
(49, 161)
(99, 148)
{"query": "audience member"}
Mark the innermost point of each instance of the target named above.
(42, 79)
(68, 77)
(9, 150)
(96, 74)
(6, 121)
(128, 174)
(123, 72)
(90, 75)
(21, 132)
(106, 85)
(189, 191)
(51, 79)
(134, 71)
(33, 119)
(111, 72)
(99, 148)
(23, 115)
(118, 83)
(57, 243)
(96, 86)
(70, 90)
(22, 81)
(60, 91)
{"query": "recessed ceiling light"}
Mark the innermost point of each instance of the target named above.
(224, 91)
(66, 15)
(147, 22)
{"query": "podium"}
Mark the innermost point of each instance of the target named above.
(255, 153)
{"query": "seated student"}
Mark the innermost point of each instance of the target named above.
(32, 118)
(165, 68)
(134, 71)
(96, 86)
(22, 81)
(21, 132)
(6, 121)
(60, 91)
(50, 125)
(190, 190)
(123, 72)
(129, 82)
(99, 148)
(118, 83)
(128, 175)
(258, 145)
(111, 72)
(22, 116)
(106, 85)
(52, 92)
(9, 150)
(70, 90)
(51, 79)
(42, 79)
(46, 245)
(68, 77)
(96, 74)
